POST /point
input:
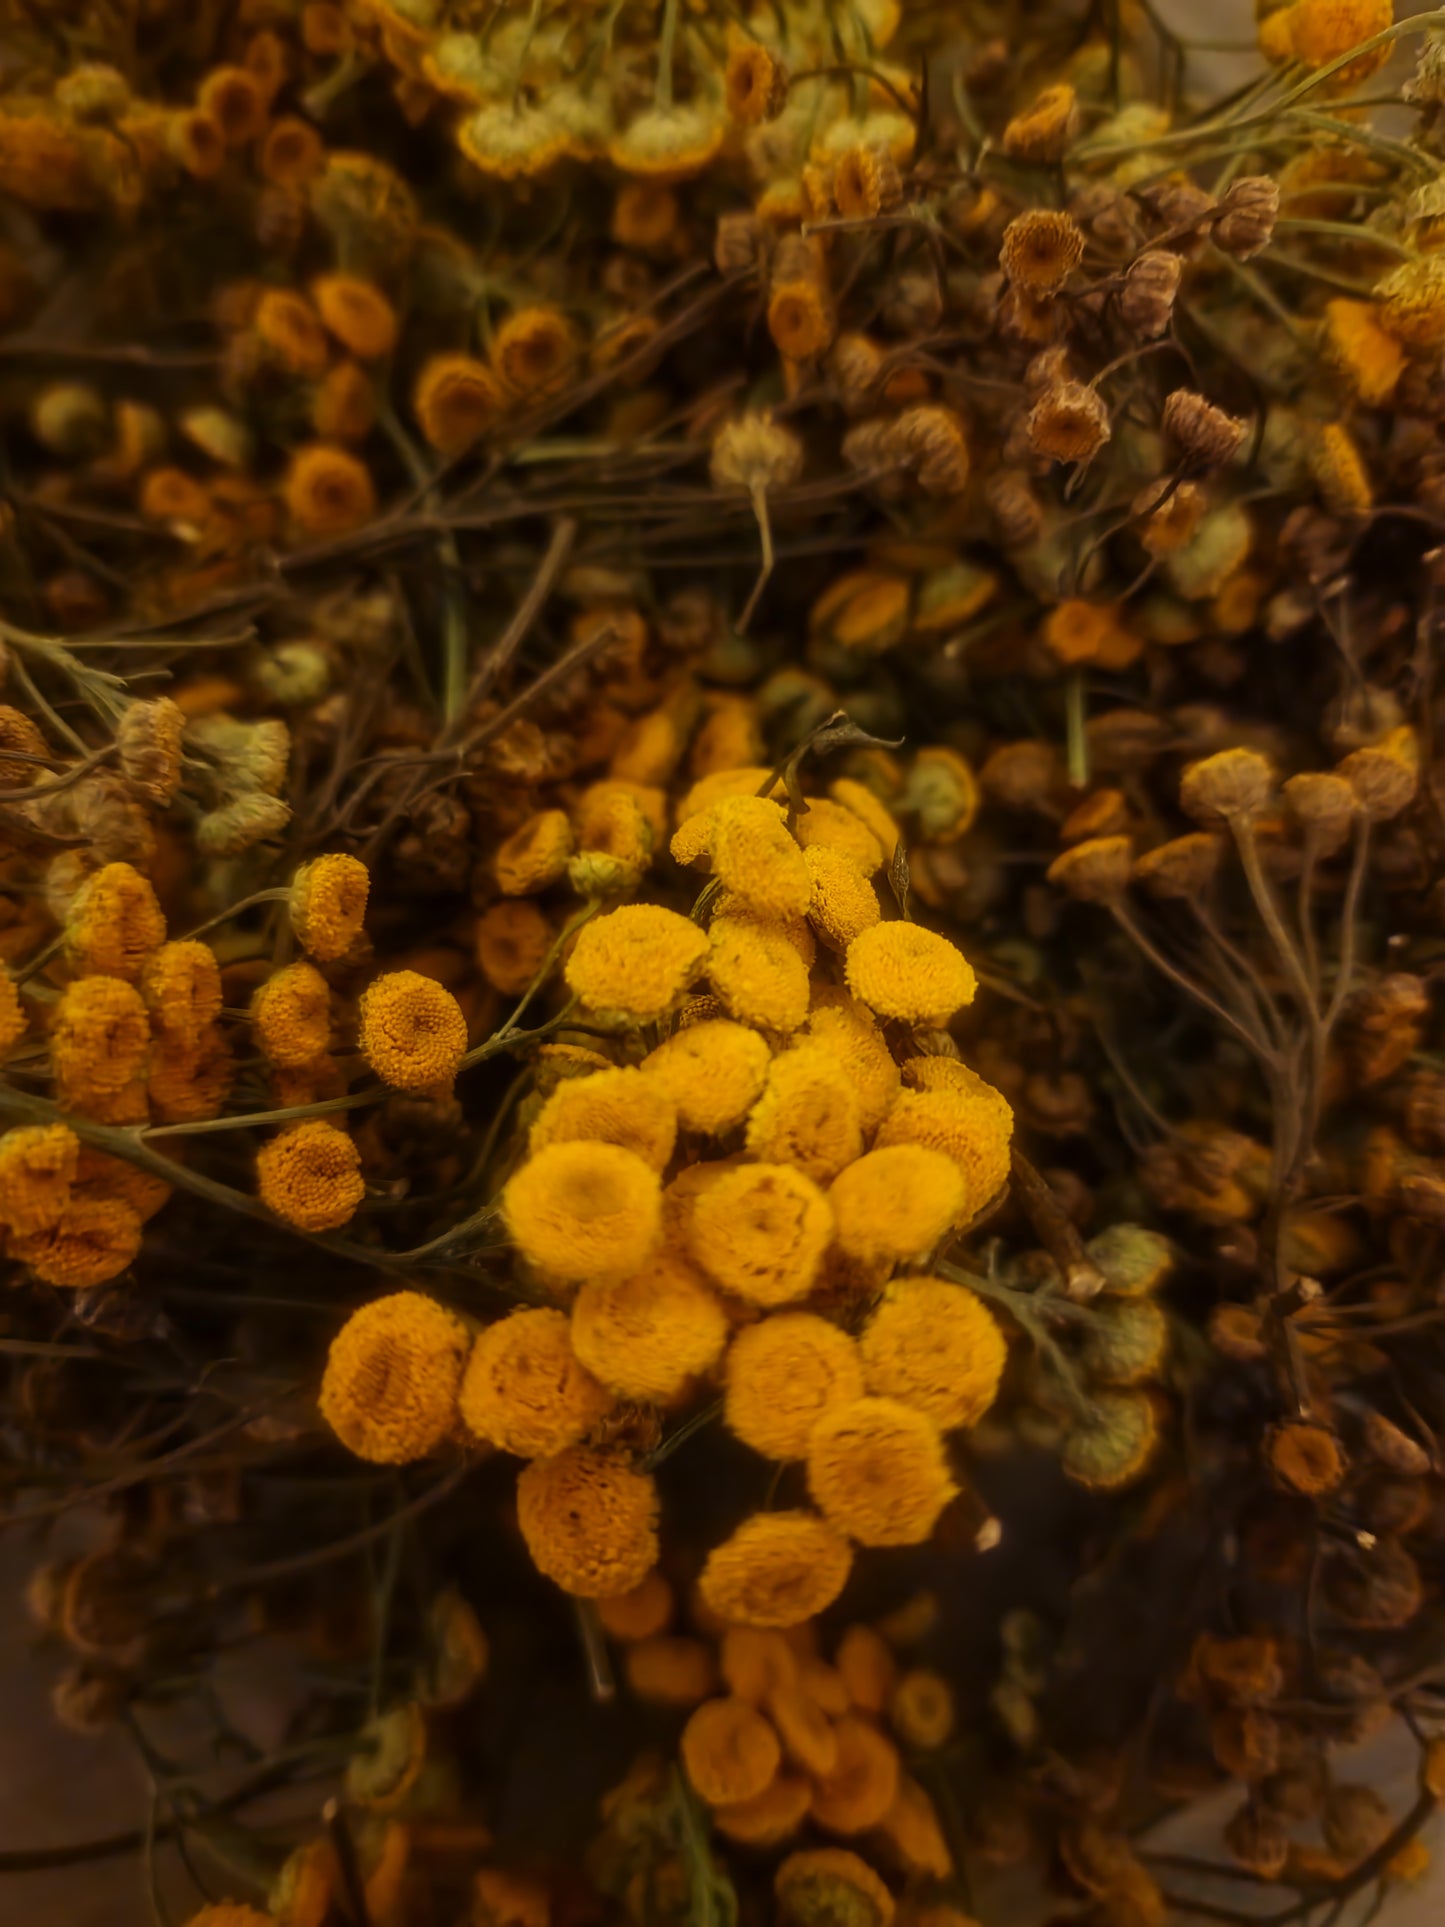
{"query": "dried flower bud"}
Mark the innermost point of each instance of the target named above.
(1095, 871)
(1016, 510)
(148, 737)
(1386, 1442)
(1377, 1589)
(866, 182)
(1305, 1457)
(70, 418)
(1044, 129)
(737, 243)
(249, 820)
(1325, 807)
(1244, 224)
(1068, 423)
(1146, 300)
(930, 442)
(1385, 775)
(1204, 435)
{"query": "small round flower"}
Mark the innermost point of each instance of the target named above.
(635, 962)
(711, 1072)
(671, 1671)
(921, 1709)
(807, 1115)
(842, 903)
(327, 904)
(524, 1389)
(755, 85)
(756, 860)
(842, 1026)
(292, 152)
(310, 1175)
(645, 1336)
(536, 351)
(411, 1030)
(37, 1168)
(757, 974)
(1320, 31)
(866, 1666)
(1305, 1457)
(457, 400)
(958, 1113)
(389, 1391)
(535, 856)
(761, 1232)
(639, 1613)
(589, 1520)
(114, 923)
(328, 491)
(343, 404)
(896, 1203)
(777, 1569)
(877, 1471)
(902, 970)
(1043, 130)
(1097, 870)
(1232, 783)
(186, 1079)
(357, 313)
(148, 737)
(802, 319)
(863, 1784)
(1041, 249)
(584, 1210)
(99, 1175)
(782, 1374)
(861, 802)
(936, 1347)
(730, 1751)
(1204, 436)
(1068, 423)
(291, 1013)
(98, 1042)
(1113, 1446)
(611, 1107)
(91, 1242)
(236, 101)
(771, 1817)
(1371, 360)
(289, 333)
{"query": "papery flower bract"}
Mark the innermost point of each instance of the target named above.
(524, 1389)
(782, 1374)
(411, 1030)
(777, 1569)
(756, 973)
(877, 1471)
(291, 1014)
(589, 1520)
(98, 1042)
(646, 1335)
(310, 1175)
(711, 1072)
(389, 1391)
(807, 1116)
(37, 1169)
(634, 962)
(114, 923)
(896, 1203)
(618, 1106)
(935, 1346)
(956, 1112)
(842, 902)
(902, 970)
(761, 1231)
(91, 1242)
(584, 1210)
(730, 1751)
(863, 1784)
(327, 904)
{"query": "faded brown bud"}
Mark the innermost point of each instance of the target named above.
(1378, 1588)
(1305, 1457)
(1356, 1821)
(1095, 871)
(1232, 783)
(1204, 435)
(1324, 805)
(1016, 509)
(149, 739)
(1245, 222)
(738, 243)
(250, 819)
(1068, 423)
(1182, 868)
(1384, 775)
(1257, 1840)
(1146, 300)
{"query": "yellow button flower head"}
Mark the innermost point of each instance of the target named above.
(782, 1375)
(645, 1336)
(747, 779)
(830, 1885)
(875, 815)
(1320, 31)
(189, 1081)
(842, 903)
(411, 1030)
(712, 1073)
(389, 1391)
(902, 970)
(877, 1471)
(114, 923)
(1371, 360)
(896, 1203)
(584, 1211)
(807, 1115)
(828, 825)
(98, 1043)
(91, 1242)
(761, 1231)
(863, 1785)
(37, 1168)
(310, 1175)
(671, 1671)
(327, 904)
(840, 1024)
(12, 1014)
(291, 1013)
(99, 1175)
(794, 931)
(730, 1751)
(777, 1569)
(960, 1115)
(634, 963)
(612, 1107)
(357, 313)
(535, 856)
(773, 1816)
(756, 973)
(181, 985)
(754, 857)
(589, 1520)
(615, 840)
(513, 937)
(937, 1347)
(524, 1389)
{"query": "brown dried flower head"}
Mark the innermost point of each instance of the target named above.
(1040, 250)
(1244, 224)
(1204, 436)
(1068, 423)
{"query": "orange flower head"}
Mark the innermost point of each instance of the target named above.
(37, 1168)
(357, 313)
(896, 1203)
(807, 1116)
(236, 100)
(1041, 249)
(782, 1374)
(712, 1073)
(327, 904)
(98, 1043)
(633, 964)
(877, 1471)
(457, 400)
(526, 1391)
(756, 973)
(842, 902)
(902, 970)
(328, 491)
(389, 1391)
(761, 1231)
(536, 351)
(642, 1611)
(92, 1241)
(730, 1751)
(583, 1210)
(114, 923)
(411, 1030)
(756, 860)
(830, 825)
(589, 1520)
(291, 154)
(863, 1785)
(513, 937)
(936, 1347)
(755, 85)
(842, 1026)
(644, 1337)
(956, 1112)
(189, 1079)
(611, 1107)
(671, 1671)
(343, 404)
(535, 856)
(777, 1569)
(291, 1013)
(290, 333)
(310, 1175)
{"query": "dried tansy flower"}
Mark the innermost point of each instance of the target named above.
(389, 1391)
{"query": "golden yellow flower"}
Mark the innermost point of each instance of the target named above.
(1320, 31)
(524, 1389)
(290, 334)
(327, 905)
(756, 973)
(181, 985)
(98, 1044)
(896, 1203)
(411, 1030)
(37, 1168)
(389, 1391)
(711, 1072)
(589, 1520)
(777, 1569)
(114, 923)
(457, 399)
(955, 1111)
(671, 1671)
(536, 351)
(921, 1709)
(343, 404)
(782, 1374)
(1371, 360)
(1041, 249)
(1412, 302)
(328, 491)
(863, 1785)
(756, 860)
(866, 1667)
(1044, 129)
(91, 1242)
(760, 1231)
(833, 826)
(730, 1751)
(535, 856)
(937, 1347)
(291, 1013)
(12, 1013)
(584, 1210)
(611, 1107)
(357, 313)
(236, 101)
(877, 1471)
(189, 1080)
(641, 1611)
(807, 1115)
(755, 84)
(840, 1024)
(635, 962)
(805, 1730)
(1305, 1457)
(911, 1827)
(842, 902)
(291, 153)
(99, 1175)
(1339, 471)
(645, 1336)
(870, 811)
(513, 937)
(310, 1175)
(770, 1817)
(902, 970)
